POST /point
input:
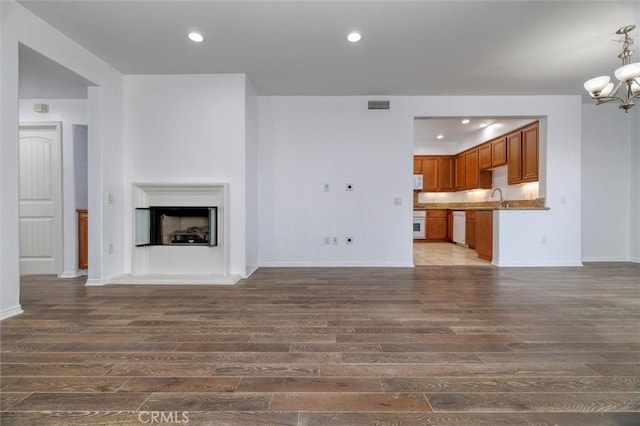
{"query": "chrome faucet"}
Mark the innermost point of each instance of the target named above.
(494, 191)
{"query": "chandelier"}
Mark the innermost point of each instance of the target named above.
(628, 75)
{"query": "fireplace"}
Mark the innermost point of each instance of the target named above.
(177, 226)
(180, 234)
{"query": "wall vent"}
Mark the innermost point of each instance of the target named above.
(379, 104)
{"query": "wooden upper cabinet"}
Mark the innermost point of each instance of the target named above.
(522, 155)
(437, 173)
(417, 165)
(445, 174)
(499, 152)
(429, 174)
(514, 158)
(461, 172)
(485, 156)
(530, 153)
(473, 169)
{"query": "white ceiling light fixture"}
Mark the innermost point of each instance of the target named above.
(628, 75)
(196, 37)
(354, 37)
(440, 136)
(466, 121)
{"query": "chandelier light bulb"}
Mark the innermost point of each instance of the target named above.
(607, 90)
(595, 85)
(628, 72)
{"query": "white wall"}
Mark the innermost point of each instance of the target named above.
(308, 141)
(606, 183)
(188, 129)
(105, 126)
(70, 113)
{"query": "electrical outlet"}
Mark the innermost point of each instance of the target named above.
(326, 187)
(543, 239)
(327, 241)
(348, 240)
(110, 248)
(334, 240)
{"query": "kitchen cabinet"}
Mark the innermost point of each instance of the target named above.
(430, 174)
(417, 165)
(437, 173)
(499, 152)
(485, 155)
(83, 239)
(523, 155)
(530, 153)
(468, 174)
(484, 234)
(470, 228)
(461, 172)
(493, 154)
(437, 225)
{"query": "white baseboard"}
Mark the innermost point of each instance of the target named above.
(336, 264)
(95, 282)
(69, 274)
(607, 259)
(11, 312)
(538, 264)
(634, 259)
(167, 279)
(250, 271)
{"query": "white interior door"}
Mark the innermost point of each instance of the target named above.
(40, 199)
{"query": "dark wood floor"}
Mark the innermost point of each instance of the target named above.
(424, 346)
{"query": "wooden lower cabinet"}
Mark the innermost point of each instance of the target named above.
(83, 239)
(470, 228)
(437, 225)
(484, 234)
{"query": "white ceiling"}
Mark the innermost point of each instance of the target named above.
(408, 47)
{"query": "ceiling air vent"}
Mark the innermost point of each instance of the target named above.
(378, 105)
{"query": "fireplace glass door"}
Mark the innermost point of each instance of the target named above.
(177, 226)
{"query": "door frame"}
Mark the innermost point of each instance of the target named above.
(58, 235)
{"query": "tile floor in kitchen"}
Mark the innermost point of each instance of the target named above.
(445, 254)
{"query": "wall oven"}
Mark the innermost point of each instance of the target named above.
(419, 224)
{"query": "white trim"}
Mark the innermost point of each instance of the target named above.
(250, 271)
(95, 282)
(634, 259)
(607, 259)
(535, 264)
(313, 264)
(11, 312)
(69, 274)
(161, 279)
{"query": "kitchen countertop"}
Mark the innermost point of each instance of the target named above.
(537, 204)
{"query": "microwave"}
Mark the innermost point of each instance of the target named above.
(417, 182)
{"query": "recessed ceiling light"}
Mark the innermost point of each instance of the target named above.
(197, 37)
(354, 37)
(482, 125)
(440, 136)
(465, 121)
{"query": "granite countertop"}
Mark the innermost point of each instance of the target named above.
(537, 204)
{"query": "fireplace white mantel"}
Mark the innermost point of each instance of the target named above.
(182, 264)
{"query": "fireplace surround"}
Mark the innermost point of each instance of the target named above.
(180, 234)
